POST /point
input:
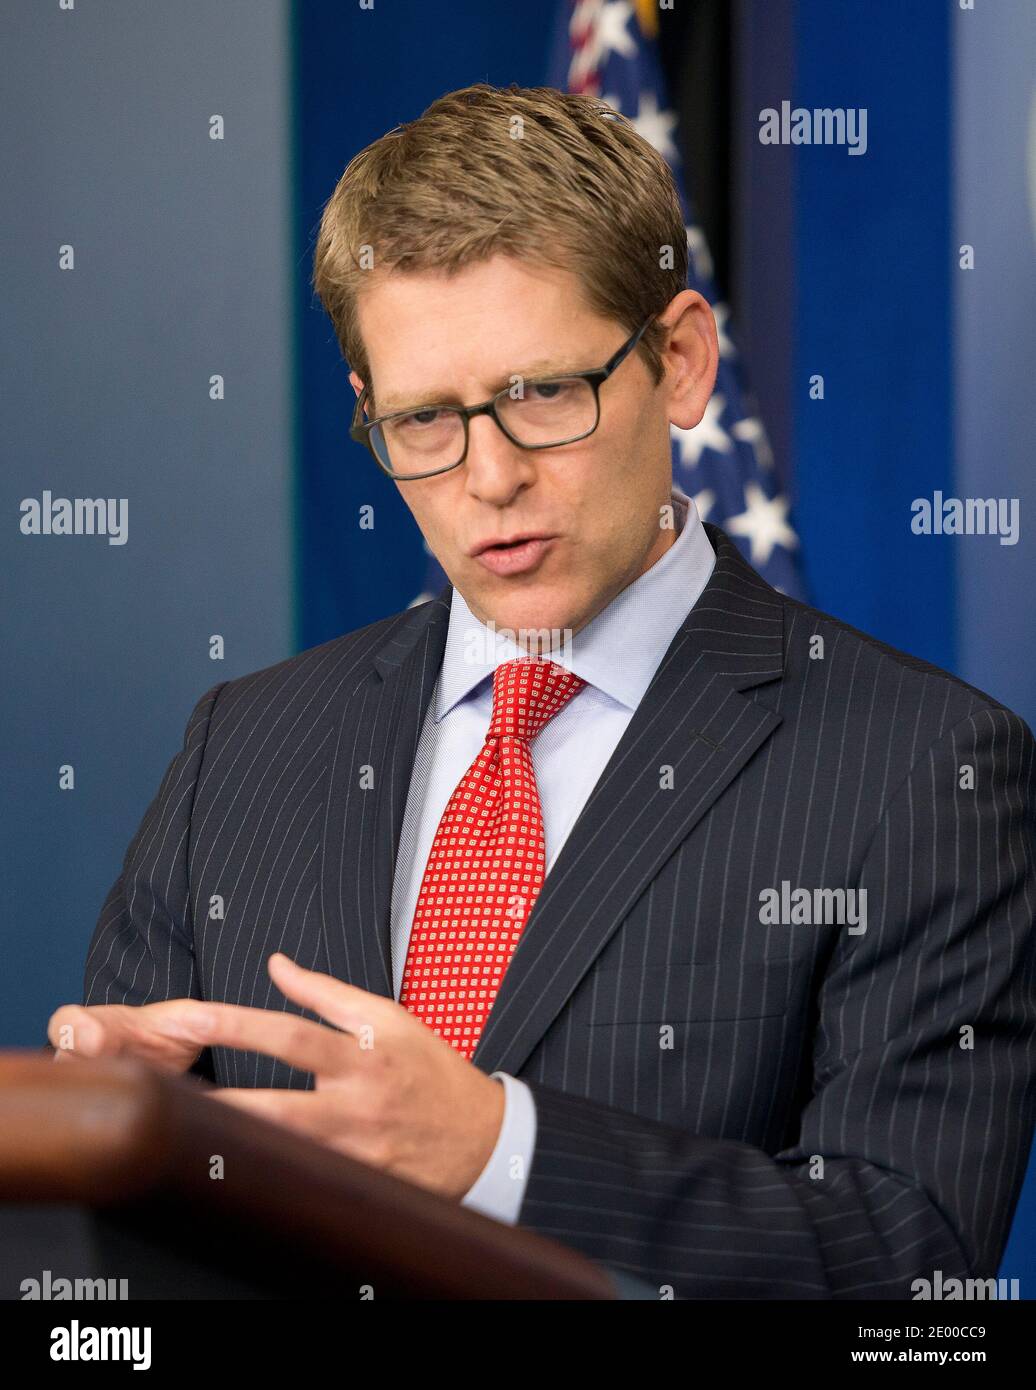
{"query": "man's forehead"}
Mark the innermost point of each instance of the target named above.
(426, 342)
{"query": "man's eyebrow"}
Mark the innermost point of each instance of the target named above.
(543, 366)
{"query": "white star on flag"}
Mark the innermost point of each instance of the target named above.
(612, 27)
(750, 431)
(708, 433)
(656, 126)
(765, 523)
(704, 501)
(701, 256)
(721, 314)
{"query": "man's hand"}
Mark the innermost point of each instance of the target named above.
(160, 1034)
(388, 1091)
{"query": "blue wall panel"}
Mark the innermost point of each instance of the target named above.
(874, 318)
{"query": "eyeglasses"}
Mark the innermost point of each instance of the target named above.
(537, 414)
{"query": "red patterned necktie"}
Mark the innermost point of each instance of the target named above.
(487, 862)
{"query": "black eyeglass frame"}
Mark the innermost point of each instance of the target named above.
(360, 430)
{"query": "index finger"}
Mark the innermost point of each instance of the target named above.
(106, 1030)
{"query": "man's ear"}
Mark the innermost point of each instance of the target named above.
(692, 356)
(355, 382)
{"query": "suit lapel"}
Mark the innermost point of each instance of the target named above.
(377, 729)
(692, 718)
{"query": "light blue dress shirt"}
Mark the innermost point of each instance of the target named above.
(617, 654)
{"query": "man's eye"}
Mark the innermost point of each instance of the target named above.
(420, 418)
(547, 390)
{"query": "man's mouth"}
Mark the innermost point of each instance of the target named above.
(516, 556)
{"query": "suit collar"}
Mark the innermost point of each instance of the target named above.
(737, 620)
(736, 629)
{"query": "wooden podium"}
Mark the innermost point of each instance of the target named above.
(111, 1170)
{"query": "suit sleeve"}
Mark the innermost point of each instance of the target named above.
(142, 948)
(911, 1151)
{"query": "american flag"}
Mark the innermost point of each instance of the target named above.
(607, 48)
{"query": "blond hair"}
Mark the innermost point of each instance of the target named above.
(530, 172)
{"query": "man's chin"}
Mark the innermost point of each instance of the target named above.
(537, 619)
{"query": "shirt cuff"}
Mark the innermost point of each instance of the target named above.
(499, 1189)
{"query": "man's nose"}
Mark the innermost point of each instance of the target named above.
(497, 469)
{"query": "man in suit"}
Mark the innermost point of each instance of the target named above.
(610, 892)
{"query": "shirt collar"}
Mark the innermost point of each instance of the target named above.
(617, 652)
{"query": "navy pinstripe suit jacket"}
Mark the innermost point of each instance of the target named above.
(725, 1107)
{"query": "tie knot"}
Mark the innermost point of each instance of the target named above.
(527, 694)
